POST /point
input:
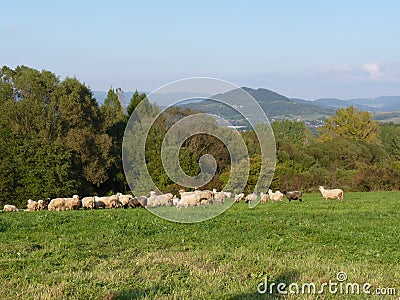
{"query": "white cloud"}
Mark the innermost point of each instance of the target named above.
(373, 70)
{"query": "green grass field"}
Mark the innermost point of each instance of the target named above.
(132, 254)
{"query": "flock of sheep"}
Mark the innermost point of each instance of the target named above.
(186, 199)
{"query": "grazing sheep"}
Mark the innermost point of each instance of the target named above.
(189, 199)
(88, 203)
(163, 200)
(43, 204)
(10, 208)
(205, 202)
(183, 193)
(239, 197)
(124, 199)
(277, 196)
(180, 204)
(40, 205)
(159, 200)
(57, 204)
(151, 199)
(250, 197)
(98, 203)
(107, 202)
(32, 205)
(331, 194)
(73, 203)
(264, 197)
(293, 195)
(220, 197)
(205, 194)
(140, 201)
(228, 194)
(175, 200)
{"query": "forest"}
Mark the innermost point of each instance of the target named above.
(57, 140)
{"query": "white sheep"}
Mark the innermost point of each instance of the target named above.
(40, 205)
(163, 200)
(228, 194)
(32, 205)
(124, 199)
(331, 194)
(88, 203)
(219, 197)
(264, 197)
(57, 204)
(175, 200)
(72, 203)
(180, 204)
(189, 198)
(277, 196)
(151, 199)
(205, 194)
(10, 208)
(107, 202)
(239, 197)
(250, 197)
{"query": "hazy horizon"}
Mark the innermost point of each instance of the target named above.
(305, 50)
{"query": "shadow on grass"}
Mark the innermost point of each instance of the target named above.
(287, 278)
(3, 225)
(150, 293)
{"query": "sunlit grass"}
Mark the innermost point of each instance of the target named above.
(130, 254)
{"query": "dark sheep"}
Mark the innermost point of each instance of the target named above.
(293, 195)
(138, 202)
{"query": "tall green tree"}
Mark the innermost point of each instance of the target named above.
(390, 137)
(350, 123)
(53, 139)
(32, 163)
(114, 122)
(134, 101)
(291, 132)
(82, 133)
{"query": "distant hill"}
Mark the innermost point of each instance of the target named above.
(275, 106)
(164, 99)
(378, 104)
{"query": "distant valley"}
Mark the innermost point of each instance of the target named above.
(278, 107)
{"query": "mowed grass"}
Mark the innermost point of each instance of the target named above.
(133, 254)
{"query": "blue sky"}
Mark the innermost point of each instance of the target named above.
(307, 49)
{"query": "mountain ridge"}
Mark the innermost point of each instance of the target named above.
(276, 106)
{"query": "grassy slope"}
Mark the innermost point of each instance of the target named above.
(133, 254)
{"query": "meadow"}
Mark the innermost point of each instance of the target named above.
(133, 254)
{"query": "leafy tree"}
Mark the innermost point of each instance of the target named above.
(134, 102)
(82, 133)
(53, 142)
(114, 122)
(350, 123)
(32, 163)
(290, 132)
(390, 137)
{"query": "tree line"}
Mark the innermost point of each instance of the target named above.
(56, 140)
